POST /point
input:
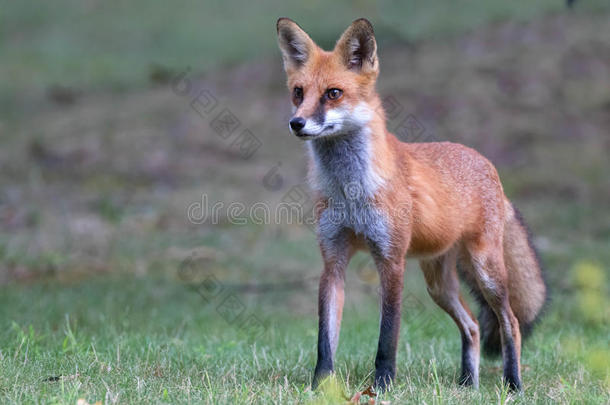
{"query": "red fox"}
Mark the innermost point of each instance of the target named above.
(442, 203)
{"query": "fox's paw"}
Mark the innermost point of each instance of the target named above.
(468, 380)
(384, 377)
(513, 383)
(319, 376)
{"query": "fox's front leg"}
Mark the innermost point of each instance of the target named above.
(330, 309)
(391, 279)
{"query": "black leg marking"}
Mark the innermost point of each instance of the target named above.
(511, 365)
(385, 361)
(324, 366)
(468, 366)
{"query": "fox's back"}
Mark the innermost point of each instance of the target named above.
(454, 191)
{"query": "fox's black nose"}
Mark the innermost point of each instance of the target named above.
(297, 123)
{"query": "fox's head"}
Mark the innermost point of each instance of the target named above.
(331, 91)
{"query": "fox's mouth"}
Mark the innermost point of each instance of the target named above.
(303, 136)
(328, 130)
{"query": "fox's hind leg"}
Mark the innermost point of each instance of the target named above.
(492, 281)
(444, 288)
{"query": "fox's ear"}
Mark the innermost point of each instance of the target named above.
(295, 44)
(358, 48)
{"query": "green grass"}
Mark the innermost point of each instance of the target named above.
(157, 341)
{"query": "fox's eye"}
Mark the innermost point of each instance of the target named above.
(334, 94)
(297, 93)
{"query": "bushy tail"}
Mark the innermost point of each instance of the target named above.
(526, 285)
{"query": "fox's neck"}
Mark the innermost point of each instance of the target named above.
(346, 166)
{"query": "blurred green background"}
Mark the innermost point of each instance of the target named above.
(101, 156)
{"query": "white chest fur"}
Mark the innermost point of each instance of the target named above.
(343, 173)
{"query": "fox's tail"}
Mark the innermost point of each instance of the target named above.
(526, 285)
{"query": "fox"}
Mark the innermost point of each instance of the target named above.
(439, 202)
